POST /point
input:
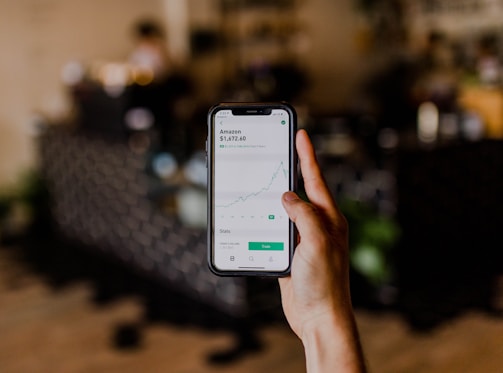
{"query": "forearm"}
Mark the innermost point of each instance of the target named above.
(331, 346)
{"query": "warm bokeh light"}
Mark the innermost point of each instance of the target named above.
(427, 122)
(142, 76)
(114, 77)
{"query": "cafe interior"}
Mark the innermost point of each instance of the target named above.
(103, 180)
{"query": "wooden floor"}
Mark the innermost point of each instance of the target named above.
(43, 329)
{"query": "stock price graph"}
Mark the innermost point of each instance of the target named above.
(276, 183)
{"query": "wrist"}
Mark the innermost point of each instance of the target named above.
(332, 343)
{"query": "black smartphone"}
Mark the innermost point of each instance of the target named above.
(251, 162)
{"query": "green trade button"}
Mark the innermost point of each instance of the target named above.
(271, 246)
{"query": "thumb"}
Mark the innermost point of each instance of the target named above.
(303, 214)
(292, 204)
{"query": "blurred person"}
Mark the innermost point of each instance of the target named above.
(488, 62)
(149, 58)
(149, 65)
(436, 51)
(316, 296)
(158, 86)
(437, 73)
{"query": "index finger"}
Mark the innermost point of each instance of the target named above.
(316, 188)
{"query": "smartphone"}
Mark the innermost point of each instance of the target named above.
(251, 163)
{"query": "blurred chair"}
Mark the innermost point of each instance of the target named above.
(100, 197)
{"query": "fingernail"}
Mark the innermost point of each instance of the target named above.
(290, 196)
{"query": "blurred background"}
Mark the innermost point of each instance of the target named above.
(103, 178)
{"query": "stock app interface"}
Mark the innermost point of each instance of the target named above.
(251, 172)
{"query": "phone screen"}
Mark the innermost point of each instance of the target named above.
(251, 164)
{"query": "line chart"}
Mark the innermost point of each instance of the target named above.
(280, 170)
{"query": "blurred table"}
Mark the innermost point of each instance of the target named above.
(450, 204)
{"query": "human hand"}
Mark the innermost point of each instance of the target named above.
(316, 296)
